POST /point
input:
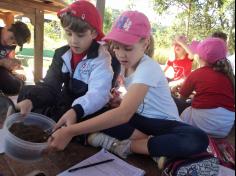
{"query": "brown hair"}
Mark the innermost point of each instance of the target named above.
(21, 32)
(75, 24)
(220, 35)
(225, 67)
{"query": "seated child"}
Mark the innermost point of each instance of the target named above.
(16, 34)
(79, 79)
(212, 108)
(182, 61)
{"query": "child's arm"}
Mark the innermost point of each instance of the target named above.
(111, 118)
(99, 86)
(10, 64)
(187, 88)
(44, 92)
(166, 68)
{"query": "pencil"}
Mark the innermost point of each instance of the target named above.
(90, 165)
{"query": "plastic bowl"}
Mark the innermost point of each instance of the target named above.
(20, 149)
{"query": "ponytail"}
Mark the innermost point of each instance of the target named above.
(225, 67)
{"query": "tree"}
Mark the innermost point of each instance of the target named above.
(107, 22)
(199, 19)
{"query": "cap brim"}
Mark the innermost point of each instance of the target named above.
(122, 37)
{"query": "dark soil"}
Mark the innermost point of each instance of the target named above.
(31, 133)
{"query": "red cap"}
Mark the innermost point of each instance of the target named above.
(87, 12)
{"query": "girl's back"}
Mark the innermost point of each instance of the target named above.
(213, 89)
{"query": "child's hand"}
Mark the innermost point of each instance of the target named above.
(20, 76)
(69, 118)
(115, 99)
(25, 107)
(175, 90)
(11, 64)
(59, 140)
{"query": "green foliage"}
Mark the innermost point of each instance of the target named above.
(69, 1)
(52, 29)
(107, 22)
(198, 19)
(109, 17)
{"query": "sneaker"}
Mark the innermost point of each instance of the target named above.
(161, 161)
(120, 148)
(101, 140)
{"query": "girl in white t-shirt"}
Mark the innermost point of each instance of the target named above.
(146, 121)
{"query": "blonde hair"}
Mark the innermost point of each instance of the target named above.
(150, 49)
(225, 67)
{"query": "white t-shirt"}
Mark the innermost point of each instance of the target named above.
(158, 102)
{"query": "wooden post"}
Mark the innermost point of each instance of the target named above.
(38, 44)
(101, 7)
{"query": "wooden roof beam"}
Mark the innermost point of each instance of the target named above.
(33, 4)
(15, 7)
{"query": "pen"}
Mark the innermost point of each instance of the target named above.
(90, 165)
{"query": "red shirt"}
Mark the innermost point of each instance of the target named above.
(213, 89)
(76, 58)
(182, 67)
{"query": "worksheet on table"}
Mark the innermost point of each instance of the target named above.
(117, 167)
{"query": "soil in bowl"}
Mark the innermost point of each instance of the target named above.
(30, 133)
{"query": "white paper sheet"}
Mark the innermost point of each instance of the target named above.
(224, 171)
(117, 167)
(1, 141)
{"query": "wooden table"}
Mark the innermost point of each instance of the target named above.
(55, 163)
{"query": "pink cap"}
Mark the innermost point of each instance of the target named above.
(129, 28)
(212, 50)
(180, 38)
(193, 46)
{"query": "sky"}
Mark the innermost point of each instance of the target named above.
(144, 6)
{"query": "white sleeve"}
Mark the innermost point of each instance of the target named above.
(99, 86)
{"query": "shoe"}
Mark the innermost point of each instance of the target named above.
(120, 148)
(161, 161)
(101, 140)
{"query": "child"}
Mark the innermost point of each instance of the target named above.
(212, 107)
(182, 62)
(79, 79)
(224, 37)
(16, 34)
(148, 113)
